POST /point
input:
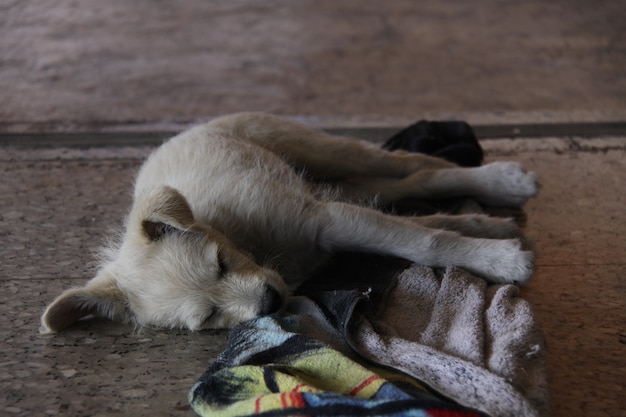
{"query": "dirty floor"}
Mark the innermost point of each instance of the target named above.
(73, 69)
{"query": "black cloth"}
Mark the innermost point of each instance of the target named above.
(454, 141)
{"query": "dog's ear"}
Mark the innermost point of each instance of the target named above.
(165, 211)
(99, 298)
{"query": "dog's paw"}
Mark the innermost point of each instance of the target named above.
(507, 184)
(503, 262)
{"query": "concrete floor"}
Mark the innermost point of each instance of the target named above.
(86, 63)
(135, 66)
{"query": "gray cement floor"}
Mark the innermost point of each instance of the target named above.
(137, 66)
(69, 64)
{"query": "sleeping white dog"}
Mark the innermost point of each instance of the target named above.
(222, 226)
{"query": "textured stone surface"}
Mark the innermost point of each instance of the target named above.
(87, 62)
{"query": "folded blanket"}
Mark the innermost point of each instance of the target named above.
(445, 345)
(479, 345)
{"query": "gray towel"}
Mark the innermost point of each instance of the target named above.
(476, 344)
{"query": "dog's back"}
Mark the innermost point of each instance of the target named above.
(245, 191)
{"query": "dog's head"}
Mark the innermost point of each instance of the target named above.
(172, 272)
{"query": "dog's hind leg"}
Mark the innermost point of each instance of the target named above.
(322, 155)
(350, 227)
(498, 184)
(388, 175)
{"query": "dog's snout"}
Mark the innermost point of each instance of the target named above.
(272, 301)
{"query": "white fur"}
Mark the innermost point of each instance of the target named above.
(222, 226)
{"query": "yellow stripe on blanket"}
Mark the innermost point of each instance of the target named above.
(279, 386)
(329, 370)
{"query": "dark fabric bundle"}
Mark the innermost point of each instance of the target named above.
(454, 141)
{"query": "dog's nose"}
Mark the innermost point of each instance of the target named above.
(271, 302)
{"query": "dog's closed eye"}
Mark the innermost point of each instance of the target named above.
(221, 263)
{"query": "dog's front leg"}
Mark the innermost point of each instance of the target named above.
(346, 226)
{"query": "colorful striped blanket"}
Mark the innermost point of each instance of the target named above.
(270, 370)
(335, 354)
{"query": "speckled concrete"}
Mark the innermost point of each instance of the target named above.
(578, 227)
(88, 62)
(57, 205)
